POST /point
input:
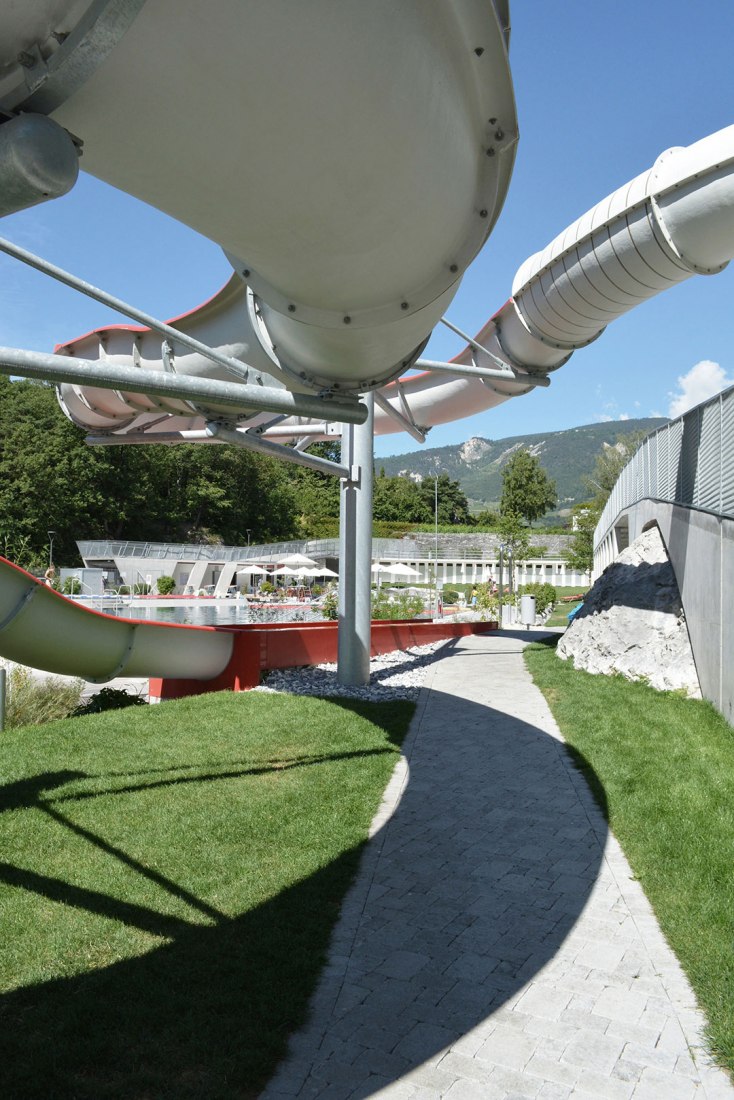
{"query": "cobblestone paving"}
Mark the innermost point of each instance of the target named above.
(495, 943)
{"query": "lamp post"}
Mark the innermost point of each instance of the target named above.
(501, 584)
(51, 548)
(249, 532)
(435, 551)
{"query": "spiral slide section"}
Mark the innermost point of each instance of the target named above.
(41, 628)
(670, 222)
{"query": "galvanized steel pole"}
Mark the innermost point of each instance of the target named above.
(355, 553)
(205, 391)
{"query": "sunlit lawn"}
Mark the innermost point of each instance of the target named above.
(559, 614)
(664, 766)
(169, 879)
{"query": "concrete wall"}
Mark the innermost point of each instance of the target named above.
(701, 549)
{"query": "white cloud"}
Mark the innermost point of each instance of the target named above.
(624, 416)
(704, 380)
(603, 418)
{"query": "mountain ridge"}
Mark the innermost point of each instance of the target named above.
(567, 456)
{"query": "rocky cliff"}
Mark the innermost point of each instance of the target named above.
(632, 622)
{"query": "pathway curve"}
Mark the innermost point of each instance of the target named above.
(495, 944)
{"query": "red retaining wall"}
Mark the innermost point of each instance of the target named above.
(258, 647)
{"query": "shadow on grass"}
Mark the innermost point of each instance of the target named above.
(483, 870)
(203, 1016)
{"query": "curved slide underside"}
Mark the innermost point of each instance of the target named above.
(41, 628)
(672, 221)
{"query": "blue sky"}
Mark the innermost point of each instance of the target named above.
(602, 88)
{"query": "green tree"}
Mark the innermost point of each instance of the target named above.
(317, 495)
(51, 480)
(526, 488)
(486, 518)
(580, 552)
(608, 465)
(514, 536)
(453, 507)
(400, 500)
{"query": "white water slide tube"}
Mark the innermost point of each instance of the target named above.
(41, 628)
(670, 222)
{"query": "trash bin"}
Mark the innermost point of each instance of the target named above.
(527, 611)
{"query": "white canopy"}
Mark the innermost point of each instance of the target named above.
(296, 560)
(402, 570)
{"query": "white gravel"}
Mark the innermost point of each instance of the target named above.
(396, 675)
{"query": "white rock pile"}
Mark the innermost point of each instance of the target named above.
(397, 675)
(632, 622)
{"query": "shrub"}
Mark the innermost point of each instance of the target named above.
(72, 586)
(166, 585)
(267, 588)
(545, 595)
(450, 596)
(487, 601)
(109, 699)
(402, 606)
(330, 606)
(32, 701)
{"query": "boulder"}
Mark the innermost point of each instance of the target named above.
(632, 622)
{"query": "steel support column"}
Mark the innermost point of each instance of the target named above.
(355, 552)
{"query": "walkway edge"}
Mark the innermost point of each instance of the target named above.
(292, 1073)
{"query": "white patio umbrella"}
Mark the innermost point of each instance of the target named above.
(323, 571)
(254, 570)
(402, 570)
(296, 560)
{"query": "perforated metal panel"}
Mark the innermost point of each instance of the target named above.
(688, 462)
(727, 454)
(707, 487)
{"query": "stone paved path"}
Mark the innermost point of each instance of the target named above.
(495, 943)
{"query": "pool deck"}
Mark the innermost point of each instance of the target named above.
(496, 943)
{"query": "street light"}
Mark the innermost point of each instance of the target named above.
(50, 548)
(501, 585)
(249, 531)
(435, 517)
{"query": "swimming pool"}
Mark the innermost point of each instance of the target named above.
(214, 612)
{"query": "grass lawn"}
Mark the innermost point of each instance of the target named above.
(559, 614)
(170, 876)
(663, 768)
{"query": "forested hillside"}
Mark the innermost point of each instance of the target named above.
(477, 465)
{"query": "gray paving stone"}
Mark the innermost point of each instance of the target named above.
(495, 943)
(589, 1050)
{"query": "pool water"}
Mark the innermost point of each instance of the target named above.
(219, 613)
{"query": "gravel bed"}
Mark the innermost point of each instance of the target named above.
(396, 675)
